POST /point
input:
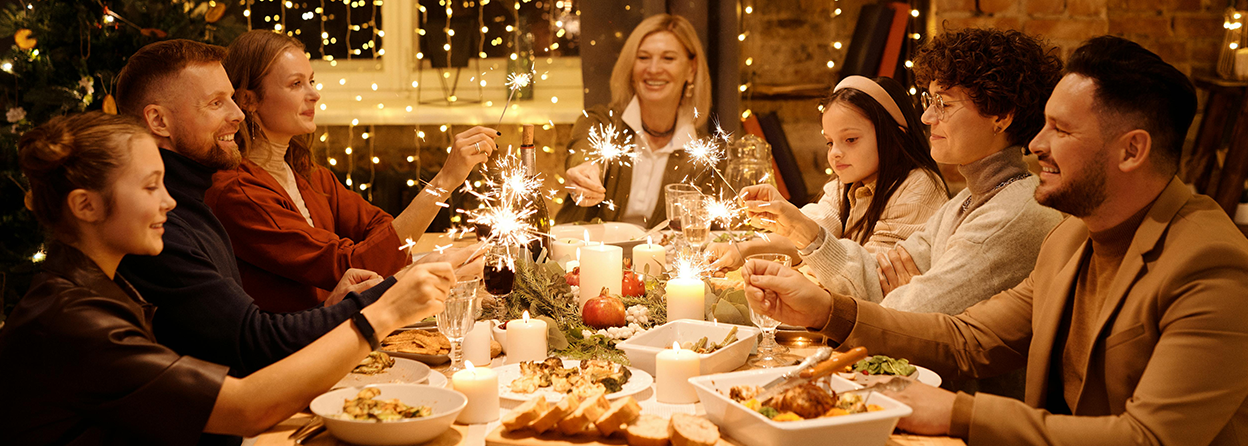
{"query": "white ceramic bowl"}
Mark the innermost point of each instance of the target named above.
(500, 333)
(749, 427)
(641, 349)
(446, 404)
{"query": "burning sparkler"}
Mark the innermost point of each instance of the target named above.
(690, 265)
(603, 146)
(515, 81)
(506, 205)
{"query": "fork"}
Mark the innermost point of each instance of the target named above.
(316, 424)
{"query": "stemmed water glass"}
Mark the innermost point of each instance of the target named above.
(695, 220)
(770, 353)
(458, 317)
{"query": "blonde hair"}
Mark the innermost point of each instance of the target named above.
(622, 75)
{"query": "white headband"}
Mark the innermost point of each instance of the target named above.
(876, 92)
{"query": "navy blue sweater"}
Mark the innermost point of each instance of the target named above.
(202, 310)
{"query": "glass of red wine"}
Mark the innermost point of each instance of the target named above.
(500, 270)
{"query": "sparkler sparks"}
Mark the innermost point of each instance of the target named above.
(602, 142)
(705, 151)
(516, 81)
(725, 211)
(690, 265)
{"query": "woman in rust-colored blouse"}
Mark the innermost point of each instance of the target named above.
(294, 227)
(77, 355)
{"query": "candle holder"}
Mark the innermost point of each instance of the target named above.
(770, 353)
(457, 318)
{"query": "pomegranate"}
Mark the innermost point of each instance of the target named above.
(604, 311)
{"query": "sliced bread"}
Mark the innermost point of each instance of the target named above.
(555, 413)
(615, 419)
(692, 430)
(525, 414)
(648, 430)
(583, 417)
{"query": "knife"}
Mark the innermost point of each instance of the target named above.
(804, 373)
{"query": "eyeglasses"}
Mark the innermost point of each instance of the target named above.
(929, 100)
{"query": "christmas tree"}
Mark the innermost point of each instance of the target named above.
(62, 58)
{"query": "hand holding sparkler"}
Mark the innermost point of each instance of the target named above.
(767, 209)
(471, 147)
(585, 184)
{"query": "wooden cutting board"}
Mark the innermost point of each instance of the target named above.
(526, 437)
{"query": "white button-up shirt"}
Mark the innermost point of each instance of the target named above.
(648, 167)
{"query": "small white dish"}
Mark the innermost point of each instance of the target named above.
(404, 371)
(641, 349)
(637, 383)
(446, 405)
(921, 374)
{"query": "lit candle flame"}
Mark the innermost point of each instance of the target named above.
(649, 239)
(526, 316)
(675, 345)
(468, 365)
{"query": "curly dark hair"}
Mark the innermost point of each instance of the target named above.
(1002, 71)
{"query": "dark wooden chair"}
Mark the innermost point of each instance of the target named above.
(1226, 114)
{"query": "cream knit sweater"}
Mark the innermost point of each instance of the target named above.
(965, 256)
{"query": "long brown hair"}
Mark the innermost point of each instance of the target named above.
(247, 60)
(901, 151)
(83, 151)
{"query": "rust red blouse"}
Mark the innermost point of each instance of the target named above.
(287, 265)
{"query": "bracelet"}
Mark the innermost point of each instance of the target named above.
(366, 330)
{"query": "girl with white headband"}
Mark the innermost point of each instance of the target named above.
(886, 184)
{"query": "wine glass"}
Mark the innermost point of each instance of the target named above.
(458, 317)
(770, 353)
(500, 270)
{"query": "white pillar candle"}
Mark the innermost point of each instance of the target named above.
(685, 299)
(673, 368)
(571, 266)
(649, 255)
(564, 250)
(477, 343)
(602, 266)
(526, 340)
(480, 385)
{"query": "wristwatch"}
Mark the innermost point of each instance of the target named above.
(366, 330)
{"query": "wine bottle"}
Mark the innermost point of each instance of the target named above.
(541, 218)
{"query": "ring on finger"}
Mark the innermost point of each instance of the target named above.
(478, 146)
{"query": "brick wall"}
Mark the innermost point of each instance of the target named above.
(1186, 33)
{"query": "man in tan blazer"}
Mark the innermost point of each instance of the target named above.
(1133, 327)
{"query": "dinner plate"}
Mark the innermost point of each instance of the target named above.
(921, 374)
(404, 371)
(637, 383)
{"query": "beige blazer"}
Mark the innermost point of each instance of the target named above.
(1170, 361)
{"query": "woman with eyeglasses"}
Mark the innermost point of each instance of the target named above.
(985, 100)
(887, 185)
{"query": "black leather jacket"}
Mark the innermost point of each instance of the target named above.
(79, 365)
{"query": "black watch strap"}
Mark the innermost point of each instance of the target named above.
(366, 330)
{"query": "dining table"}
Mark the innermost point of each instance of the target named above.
(475, 434)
